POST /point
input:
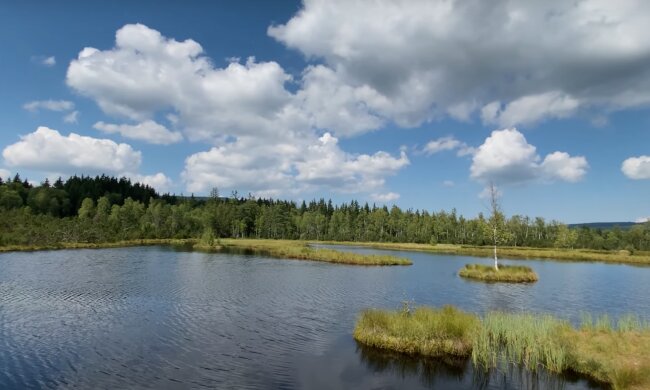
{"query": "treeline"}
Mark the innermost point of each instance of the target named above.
(104, 209)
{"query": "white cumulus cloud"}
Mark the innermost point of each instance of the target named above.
(506, 158)
(267, 139)
(49, 151)
(510, 62)
(46, 149)
(148, 131)
(637, 168)
(290, 167)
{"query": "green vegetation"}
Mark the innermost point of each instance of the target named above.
(617, 256)
(85, 210)
(423, 331)
(301, 251)
(614, 353)
(506, 273)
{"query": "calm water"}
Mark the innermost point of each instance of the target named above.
(158, 318)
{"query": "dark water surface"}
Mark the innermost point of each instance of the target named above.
(153, 317)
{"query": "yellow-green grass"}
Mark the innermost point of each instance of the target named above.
(300, 250)
(98, 245)
(287, 249)
(615, 354)
(424, 331)
(506, 273)
(614, 256)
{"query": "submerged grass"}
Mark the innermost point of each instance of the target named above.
(615, 256)
(612, 352)
(506, 273)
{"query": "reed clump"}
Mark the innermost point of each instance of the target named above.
(505, 273)
(613, 352)
(424, 331)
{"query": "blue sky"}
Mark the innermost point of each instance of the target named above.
(417, 104)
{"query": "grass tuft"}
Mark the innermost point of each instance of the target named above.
(424, 331)
(506, 273)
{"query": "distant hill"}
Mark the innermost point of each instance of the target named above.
(604, 225)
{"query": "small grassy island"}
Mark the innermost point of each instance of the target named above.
(300, 250)
(612, 352)
(505, 273)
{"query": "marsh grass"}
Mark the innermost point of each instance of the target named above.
(287, 249)
(100, 245)
(616, 352)
(300, 250)
(506, 273)
(424, 331)
(638, 257)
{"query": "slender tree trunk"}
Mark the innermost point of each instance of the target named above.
(496, 261)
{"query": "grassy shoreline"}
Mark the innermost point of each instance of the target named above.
(300, 250)
(506, 273)
(519, 253)
(284, 249)
(616, 353)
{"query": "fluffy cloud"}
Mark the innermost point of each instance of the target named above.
(506, 158)
(267, 139)
(637, 168)
(49, 151)
(148, 131)
(51, 105)
(530, 109)
(447, 143)
(337, 106)
(147, 73)
(459, 58)
(291, 167)
(158, 181)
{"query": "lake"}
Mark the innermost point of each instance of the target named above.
(157, 317)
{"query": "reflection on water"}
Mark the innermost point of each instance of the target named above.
(154, 317)
(453, 372)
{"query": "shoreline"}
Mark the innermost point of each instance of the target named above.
(281, 249)
(513, 253)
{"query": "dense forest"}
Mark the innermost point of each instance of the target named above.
(106, 209)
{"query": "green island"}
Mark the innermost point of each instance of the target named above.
(300, 250)
(616, 353)
(283, 249)
(521, 253)
(505, 273)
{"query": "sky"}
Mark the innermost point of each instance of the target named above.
(421, 104)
